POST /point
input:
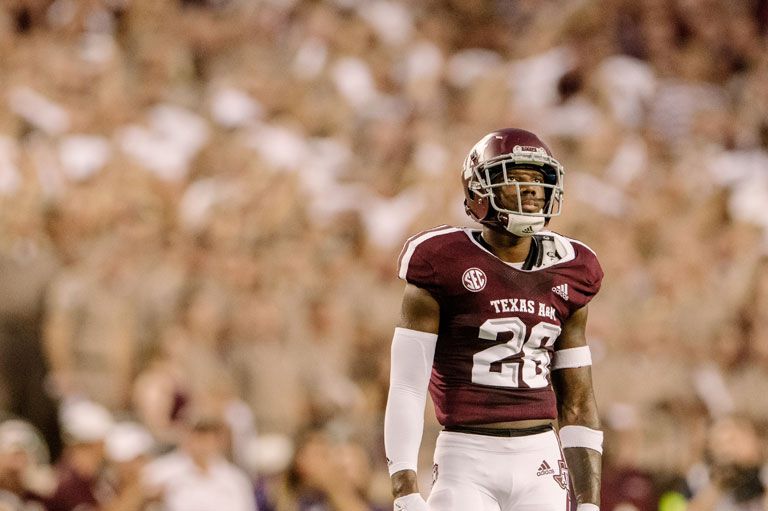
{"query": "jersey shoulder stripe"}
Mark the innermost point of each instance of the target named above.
(577, 242)
(414, 241)
(565, 239)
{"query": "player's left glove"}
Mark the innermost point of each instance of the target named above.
(412, 502)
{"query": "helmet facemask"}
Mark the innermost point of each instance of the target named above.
(491, 176)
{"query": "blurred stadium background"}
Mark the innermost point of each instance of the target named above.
(202, 203)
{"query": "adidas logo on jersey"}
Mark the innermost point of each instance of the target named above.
(562, 291)
(545, 469)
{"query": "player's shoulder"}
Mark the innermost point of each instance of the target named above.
(568, 248)
(429, 244)
(573, 254)
(435, 235)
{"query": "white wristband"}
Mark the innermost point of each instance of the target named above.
(412, 502)
(572, 357)
(581, 436)
(587, 507)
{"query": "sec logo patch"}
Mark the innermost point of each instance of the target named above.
(474, 279)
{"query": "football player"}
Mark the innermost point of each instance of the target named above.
(493, 323)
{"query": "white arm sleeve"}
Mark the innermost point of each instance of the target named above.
(412, 355)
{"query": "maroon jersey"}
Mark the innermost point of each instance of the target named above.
(498, 321)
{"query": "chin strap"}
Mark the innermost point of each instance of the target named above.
(534, 254)
(524, 225)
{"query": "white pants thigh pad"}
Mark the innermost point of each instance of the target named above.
(484, 473)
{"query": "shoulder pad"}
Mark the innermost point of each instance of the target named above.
(415, 261)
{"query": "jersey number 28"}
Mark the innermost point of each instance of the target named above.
(521, 362)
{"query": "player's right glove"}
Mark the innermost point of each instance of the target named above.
(412, 502)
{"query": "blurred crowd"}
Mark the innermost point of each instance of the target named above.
(202, 203)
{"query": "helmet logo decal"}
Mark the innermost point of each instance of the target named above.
(474, 279)
(528, 149)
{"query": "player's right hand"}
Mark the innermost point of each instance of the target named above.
(412, 502)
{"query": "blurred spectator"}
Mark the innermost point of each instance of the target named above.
(25, 477)
(626, 486)
(25, 273)
(85, 426)
(160, 393)
(183, 222)
(129, 448)
(269, 456)
(196, 476)
(736, 457)
(325, 475)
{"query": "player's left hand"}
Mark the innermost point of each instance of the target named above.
(412, 502)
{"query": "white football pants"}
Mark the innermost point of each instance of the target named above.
(485, 473)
